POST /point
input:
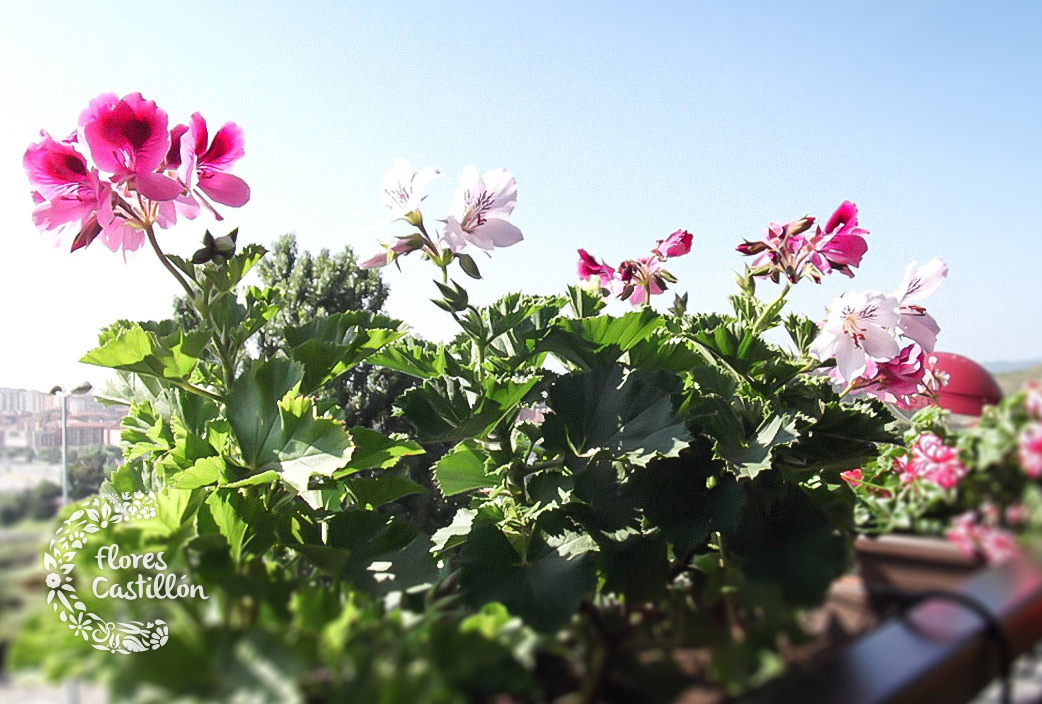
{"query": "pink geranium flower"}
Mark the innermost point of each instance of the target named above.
(203, 164)
(676, 245)
(937, 462)
(1033, 398)
(782, 250)
(590, 268)
(897, 380)
(981, 535)
(128, 138)
(1029, 450)
(480, 210)
(851, 477)
(641, 279)
(841, 245)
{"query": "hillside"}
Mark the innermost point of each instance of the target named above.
(1012, 381)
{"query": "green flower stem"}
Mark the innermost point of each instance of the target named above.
(166, 262)
(197, 390)
(772, 309)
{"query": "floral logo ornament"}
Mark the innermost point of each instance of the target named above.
(97, 514)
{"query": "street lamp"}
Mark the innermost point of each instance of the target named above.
(64, 395)
(72, 690)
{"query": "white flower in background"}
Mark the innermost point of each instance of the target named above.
(480, 209)
(920, 282)
(403, 190)
(857, 329)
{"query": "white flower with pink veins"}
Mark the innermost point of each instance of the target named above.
(403, 189)
(920, 282)
(480, 210)
(858, 328)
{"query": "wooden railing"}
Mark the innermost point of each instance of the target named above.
(938, 651)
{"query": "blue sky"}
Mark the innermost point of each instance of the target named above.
(621, 123)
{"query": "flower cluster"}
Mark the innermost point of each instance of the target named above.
(788, 250)
(882, 342)
(478, 216)
(636, 280)
(930, 459)
(1029, 441)
(143, 174)
(979, 533)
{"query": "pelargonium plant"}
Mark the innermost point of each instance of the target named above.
(624, 487)
(980, 486)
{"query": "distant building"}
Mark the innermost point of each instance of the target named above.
(32, 420)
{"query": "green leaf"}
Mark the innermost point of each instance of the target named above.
(754, 454)
(327, 347)
(802, 330)
(310, 446)
(628, 413)
(585, 303)
(462, 469)
(593, 342)
(785, 540)
(376, 451)
(171, 357)
(245, 524)
(688, 496)
(377, 491)
(440, 409)
(418, 358)
(253, 409)
(545, 589)
(205, 471)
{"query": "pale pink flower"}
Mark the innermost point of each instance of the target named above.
(1033, 399)
(1016, 514)
(919, 283)
(480, 210)
(403, 190)
(856, 332)
(128, 138)
(676, 245)
(1029, 450)
(536, 414)
(402, 245)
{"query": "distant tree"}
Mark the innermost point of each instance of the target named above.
(324, 284)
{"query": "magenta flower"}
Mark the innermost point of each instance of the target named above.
(937, 462)
(590, 268)
(204, 164)
(676, 245)
(128, 138)
(641, 279)
(897, 380)
(1029, 450)
(480, 210)
(841, 245)
(782, 251)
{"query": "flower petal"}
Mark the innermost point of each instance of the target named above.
(226, 189)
